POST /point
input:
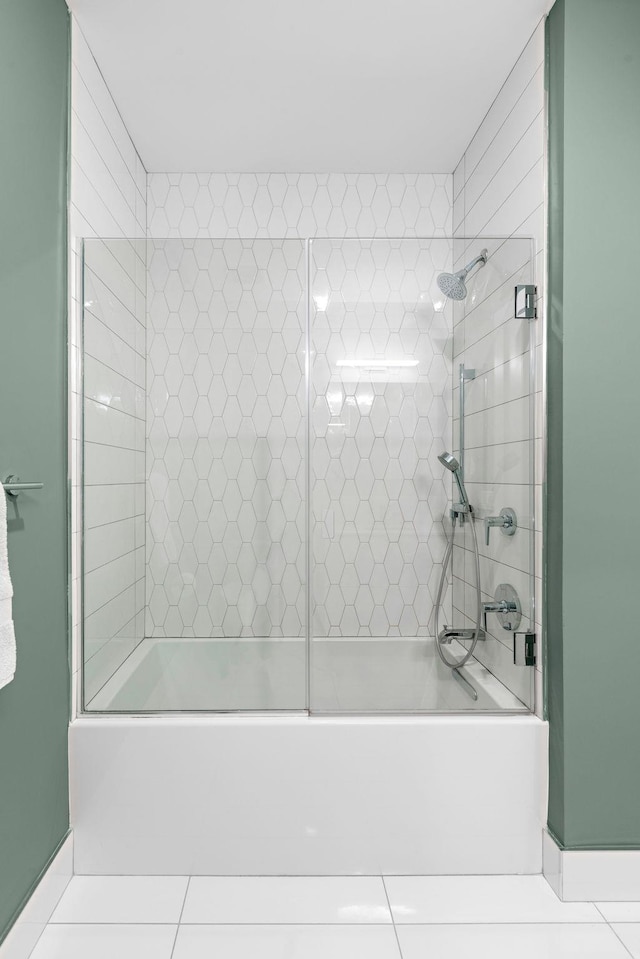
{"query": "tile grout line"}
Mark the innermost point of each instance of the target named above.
(359, 925)
(624, 946)
(130, 175)
(485, 228)
(133, 416)
(184, 901)
(524, 90)
(393, 922)
(508, 81)
(502, 165)
(106, 120)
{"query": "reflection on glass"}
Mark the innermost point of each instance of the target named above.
(385, 346)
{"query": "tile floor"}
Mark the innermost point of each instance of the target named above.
(327, 917)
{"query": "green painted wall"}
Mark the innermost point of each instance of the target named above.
(592, 521)
(34, 708)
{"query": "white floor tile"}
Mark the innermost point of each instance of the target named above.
(300, 899)
(79, 941)
(453, 899)
(620, 911)
(21, 940)
(286, 942)
(515, 941)
(123, 899)
(629, 932)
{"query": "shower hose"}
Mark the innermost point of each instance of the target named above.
(448, 560)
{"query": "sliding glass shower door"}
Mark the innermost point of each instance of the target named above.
(388, 347)
(265, 515)
(381, 393)
(224, 623)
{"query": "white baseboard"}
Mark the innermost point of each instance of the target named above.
(591, 875)
(30, 923)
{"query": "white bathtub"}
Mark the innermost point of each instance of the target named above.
(348, 675)
(295, 795)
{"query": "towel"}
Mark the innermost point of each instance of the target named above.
(7, 635)
(7, 654)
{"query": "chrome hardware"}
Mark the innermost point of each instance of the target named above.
(448, 633)
(507, 521)
(13, 487)
(507, 605)
(459, 511)
(524, 649)
(525, 302)
(465, 376)
(464, 682)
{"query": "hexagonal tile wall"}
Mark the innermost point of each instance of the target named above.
(381, 394)
(225, 452)
(226, 404)
(299, 204)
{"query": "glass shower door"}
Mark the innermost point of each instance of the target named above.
(494, 354)
(387, 347)
(381, 380)
(244, 424)
(205, 609)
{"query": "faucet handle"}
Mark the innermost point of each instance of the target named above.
(506, 604)
(507, 521)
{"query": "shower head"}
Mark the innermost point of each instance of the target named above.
(451, 463)
(453, 285)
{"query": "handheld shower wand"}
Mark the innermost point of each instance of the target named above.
(448, 633)
(453, 466)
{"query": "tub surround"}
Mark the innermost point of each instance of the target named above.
(300, 796)
(499, 188)
(108, 186)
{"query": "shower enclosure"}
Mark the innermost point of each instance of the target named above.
(264, 513)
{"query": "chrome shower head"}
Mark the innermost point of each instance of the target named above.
(453, 285)
(449, 461)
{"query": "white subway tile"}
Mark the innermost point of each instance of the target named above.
(519, 203)
(106, 425)
(109, 504)
(507, 138)
(105, 543)
(511, 178)
(526, 66)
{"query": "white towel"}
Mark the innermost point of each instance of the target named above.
(7, 653)
(6, 589)
(7, 635)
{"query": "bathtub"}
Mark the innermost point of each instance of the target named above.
(348, 675)
(300, 795)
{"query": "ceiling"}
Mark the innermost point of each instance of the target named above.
(305, 85)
